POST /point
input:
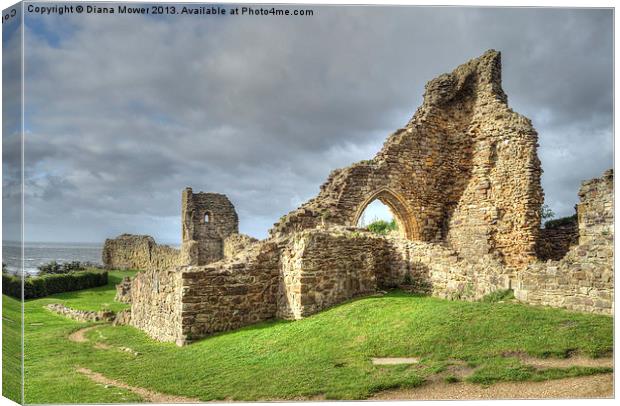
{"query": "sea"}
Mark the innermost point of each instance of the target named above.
(36, 254)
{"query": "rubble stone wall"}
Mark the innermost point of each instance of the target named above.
(123, 291)
(129, 251)
(438, 270)
(229, 294)
(555, 240)
(156, 304)
(583, 279)
(236, 243)
(81, 315)
(323, 268)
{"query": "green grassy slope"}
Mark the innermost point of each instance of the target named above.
(326, 354)
(11, 348)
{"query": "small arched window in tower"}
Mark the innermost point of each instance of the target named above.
(207, 218)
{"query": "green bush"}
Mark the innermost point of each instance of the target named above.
(11, 285)
(44, 285)
(54, 267)
(382, 227)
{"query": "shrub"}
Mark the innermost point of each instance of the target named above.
(11, 285)
(44, 285)
(53, 267)
(382, 227)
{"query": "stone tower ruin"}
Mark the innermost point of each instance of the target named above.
(206, 220)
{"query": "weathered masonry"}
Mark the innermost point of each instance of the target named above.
(463, 181)
(464, 172)
(210, 232)
(207, 219)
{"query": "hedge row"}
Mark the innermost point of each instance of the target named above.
(40, 286)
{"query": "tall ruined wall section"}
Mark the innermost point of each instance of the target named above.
(156, 304)
(583, 279)
(464, 171)
(207, 220)
(129, 251)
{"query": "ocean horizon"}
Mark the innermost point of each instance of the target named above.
(39, 253)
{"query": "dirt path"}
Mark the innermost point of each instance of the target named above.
(79, 336)
(594, 386)
(567, 362)
(146, 394)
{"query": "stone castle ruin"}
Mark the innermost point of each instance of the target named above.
(462, 179)
(210, 232)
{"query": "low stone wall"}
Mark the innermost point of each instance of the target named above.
(81, 315)
(123, 318)
(571, 283)
(129, 251)
(156, 303)
(235, 243)
(439, 271)
(555, 240)
(323, 268)
(298, 276)
(227, 295)
(584, 279)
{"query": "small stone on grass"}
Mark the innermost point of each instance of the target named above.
(394, 361)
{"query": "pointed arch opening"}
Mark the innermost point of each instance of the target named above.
(405, 222)
(378, 217)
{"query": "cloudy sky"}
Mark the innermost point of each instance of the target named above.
(123, 112)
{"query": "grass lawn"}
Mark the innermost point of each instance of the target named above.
(11, 348)
(324, 355)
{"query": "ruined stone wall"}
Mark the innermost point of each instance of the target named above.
(321, 268)
(123, 291)
(464, 171)
(324, 267)
(236, 243)
(207, 219)
(463, 181)
(156, 304)
(555, 240)
(438, 270)
(595, 211)
(583, 279)
(129, 251)
(230, 294)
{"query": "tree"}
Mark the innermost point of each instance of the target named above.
(546, 213)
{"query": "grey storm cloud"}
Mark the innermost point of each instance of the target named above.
(122, 113)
